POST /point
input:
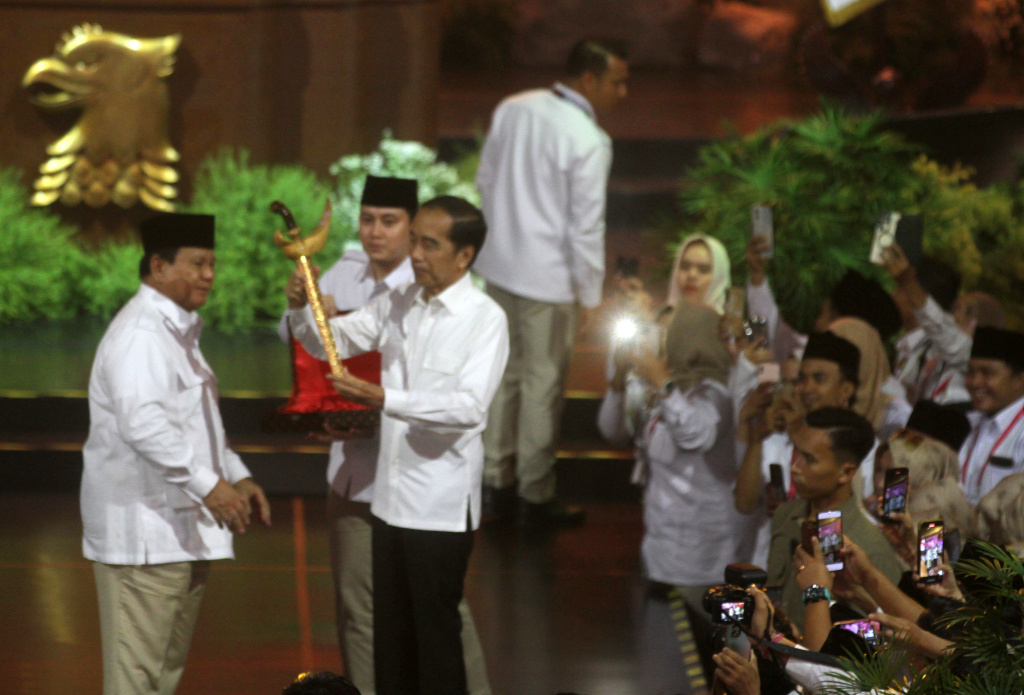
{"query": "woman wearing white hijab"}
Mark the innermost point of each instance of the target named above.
(701, 272)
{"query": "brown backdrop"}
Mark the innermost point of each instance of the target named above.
(293, 81)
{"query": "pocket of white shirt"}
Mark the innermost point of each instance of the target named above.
(445, 362)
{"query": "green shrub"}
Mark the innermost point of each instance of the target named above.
(251, 269)
(109, 278)
(404, 159)
(39, 261)
(827, 179)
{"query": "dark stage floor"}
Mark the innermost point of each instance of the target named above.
(556, 615)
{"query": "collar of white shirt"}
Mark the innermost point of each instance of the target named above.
(1004, 417)
(571, 95)
(183, 322)
(455, 297)
(401, 275)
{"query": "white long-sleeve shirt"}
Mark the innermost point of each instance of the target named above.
(941, 376)
(983, 464)
(543, 177)
(156, 444)
(353, 462)
(441, 362)
(692, 528)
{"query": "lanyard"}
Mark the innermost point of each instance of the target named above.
(1003, 436)
(578, 101)
(941, 388)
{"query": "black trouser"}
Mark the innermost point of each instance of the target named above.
(417, 630)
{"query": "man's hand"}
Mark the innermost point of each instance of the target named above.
(651, 368)
(811, 569)
(857, 566)
(329, 305)
(739, 676)
(920, 640)
(756, 260)
(295, 289)
(896, 263)
(754, 425)
(228, 506)
(253, 494)
(358, 390)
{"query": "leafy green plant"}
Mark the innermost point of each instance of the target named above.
(39, 261)
(251, 269)
(109, 278)
(827, 179)
(404, 159)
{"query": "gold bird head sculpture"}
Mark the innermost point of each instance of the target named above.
(118, 151)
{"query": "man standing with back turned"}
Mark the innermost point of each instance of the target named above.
(542, 178)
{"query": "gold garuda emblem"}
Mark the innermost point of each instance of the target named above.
(118, 151)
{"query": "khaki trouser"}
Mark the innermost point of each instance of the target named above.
(147, 617)
(523, 422)
(352, 568)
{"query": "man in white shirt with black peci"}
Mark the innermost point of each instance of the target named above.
(542, 178)
(161, 491)
(443, 346)
(995, 379)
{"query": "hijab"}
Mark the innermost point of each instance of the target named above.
(721, 277)
(694, 349)
(870, 401)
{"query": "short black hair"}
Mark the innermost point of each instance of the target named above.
(850, 435)
(940, 281)
(321, 683)
(169, 254)
(591, 54)
(468, 225)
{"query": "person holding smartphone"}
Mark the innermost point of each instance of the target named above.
(827, 377)
(829, 450)
(692, 532)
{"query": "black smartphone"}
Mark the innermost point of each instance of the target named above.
(830, 537)
(929, 551)
(870, 630)
(894, 496)
(776, 481)
(951, 543)
(808, 531)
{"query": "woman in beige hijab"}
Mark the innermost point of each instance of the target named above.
(692, 528)
(886, 413)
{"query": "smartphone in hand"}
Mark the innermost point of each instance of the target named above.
(778, 485)
(764, 227)
(894, 495)
(929, 551)
(830, 538)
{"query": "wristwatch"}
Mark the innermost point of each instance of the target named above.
(815, 593)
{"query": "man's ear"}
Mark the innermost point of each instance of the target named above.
(464, 257)
(157, 267)
(848, 390)
(849, 470)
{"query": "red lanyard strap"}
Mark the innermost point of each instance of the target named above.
(1002, 437)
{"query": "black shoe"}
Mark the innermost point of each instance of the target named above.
(549, 515)
(497, 504)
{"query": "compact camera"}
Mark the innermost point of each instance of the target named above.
(728, 604)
